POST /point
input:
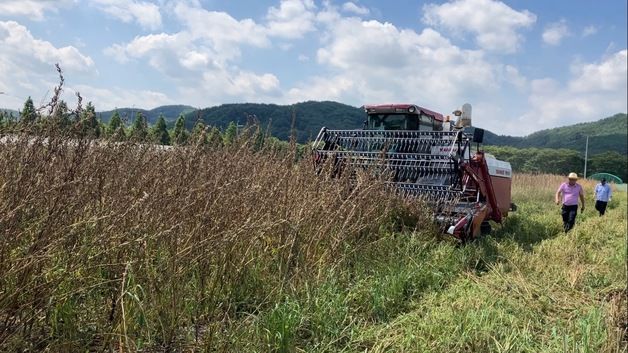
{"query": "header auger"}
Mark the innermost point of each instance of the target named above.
(429, 158)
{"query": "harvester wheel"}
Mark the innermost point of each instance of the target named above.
(485, 228)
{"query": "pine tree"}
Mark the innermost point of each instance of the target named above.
(180, 133)
(139, 128)
(159, 133)
(114, 123)
(230, 135)
(199, 133)
(259, 138)
(119, 134)
(28, 115)
(214, 138)
(60, 116)
(89, 122)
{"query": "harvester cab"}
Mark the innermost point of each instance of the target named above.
(429, 157)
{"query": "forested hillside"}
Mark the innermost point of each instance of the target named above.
(560, 161)
(309, 117)
(170, 113)
(605, 135)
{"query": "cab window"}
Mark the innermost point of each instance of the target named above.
(393, 122)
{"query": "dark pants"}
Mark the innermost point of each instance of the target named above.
(569, 216)
(601, 206)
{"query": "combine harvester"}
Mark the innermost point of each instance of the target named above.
(430, 158)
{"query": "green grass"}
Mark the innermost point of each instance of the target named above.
(527, 288)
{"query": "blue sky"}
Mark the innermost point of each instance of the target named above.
(523, 65)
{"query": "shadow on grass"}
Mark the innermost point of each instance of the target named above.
(527, 231)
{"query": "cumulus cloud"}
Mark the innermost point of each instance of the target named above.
(145, 13)
(27, 64)
(376, 62)
(120, 97)
(201, 58)
(292, 19)
(594, 91)
(355, 9)
(494, 24)
(555, 32)
(607, 76)
(21, 48)
(220, 29)
(32, 9)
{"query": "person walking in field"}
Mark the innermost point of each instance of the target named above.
(603, 195)
(569, 192)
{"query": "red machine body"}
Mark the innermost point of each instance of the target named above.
(431, 158)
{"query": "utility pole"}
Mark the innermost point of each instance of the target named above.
(586, 153)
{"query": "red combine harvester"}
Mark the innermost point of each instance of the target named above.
(431, 158)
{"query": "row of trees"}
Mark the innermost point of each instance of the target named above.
(85, 123)
(560, 161)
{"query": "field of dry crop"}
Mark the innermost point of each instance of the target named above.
(124, 247)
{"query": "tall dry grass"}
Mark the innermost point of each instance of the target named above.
(111, 246)
(535, 187)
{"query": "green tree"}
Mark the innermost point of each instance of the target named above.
(199, 134)
(89, 122)
(214, 137)
(61, 116)
(180, 133)
(159, 133)
(119, 134)
(609, 162)
(230, 135)
(28, 115)
(259, 138)
(114, 123)
(139, 128)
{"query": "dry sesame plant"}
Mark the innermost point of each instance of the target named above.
(120, 246)
(242, 245)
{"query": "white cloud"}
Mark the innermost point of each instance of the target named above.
(219, 30)
(200, 60)
(596, 90)
(27, 65)
(19, 47)
(555, 32)
(119, 97)
(355, 9)
(157, 48)
(338, 88)
(589, 31)
(375, 62)
(292, 19)
(606, 76)
(145, 13)
(514, 77)
(33, 9)
(494, 24)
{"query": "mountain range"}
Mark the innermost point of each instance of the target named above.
(608, 134)
(170, 113)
